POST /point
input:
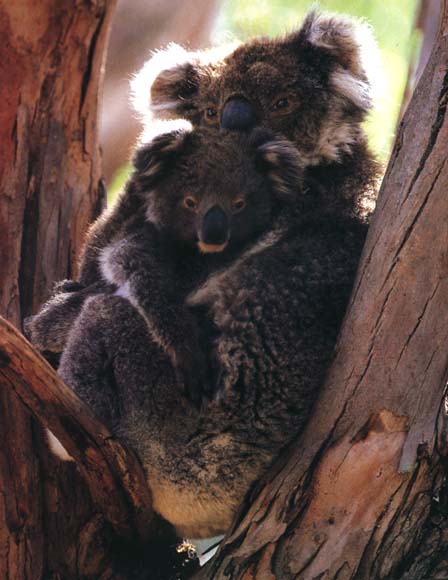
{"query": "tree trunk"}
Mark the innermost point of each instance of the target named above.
(50, 175)
(360, 495)
(426, 22)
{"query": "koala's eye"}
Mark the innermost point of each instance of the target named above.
(190, 203)
(239, 205)
(211, 114)
(282, 103)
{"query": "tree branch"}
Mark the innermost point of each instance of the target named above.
(114, 476)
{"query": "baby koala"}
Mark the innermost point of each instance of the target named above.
(194, 201)
(204, 197)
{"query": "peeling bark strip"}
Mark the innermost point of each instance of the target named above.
(355, 496)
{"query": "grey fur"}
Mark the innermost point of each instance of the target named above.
(275, 302)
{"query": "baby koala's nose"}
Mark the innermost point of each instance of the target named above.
(238, 115)
(215, 226)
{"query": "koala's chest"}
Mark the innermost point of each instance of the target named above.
(189, 274)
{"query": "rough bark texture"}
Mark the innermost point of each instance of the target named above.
(50, 189)
(426, 22)
(360, 495)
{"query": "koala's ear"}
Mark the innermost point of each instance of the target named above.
(154, 160)
(173, 88)
(279, 159)
(166, 83)
(350, 48)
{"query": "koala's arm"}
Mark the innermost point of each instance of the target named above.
(103, 230)
(143, 274)
(48, 330)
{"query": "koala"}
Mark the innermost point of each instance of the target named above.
(269, 307)
(223, 228)
(311, 86)
(175, 236)
(200, 198)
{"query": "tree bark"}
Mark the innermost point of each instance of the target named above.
(50, 176)
(360, 494)
(426, 22)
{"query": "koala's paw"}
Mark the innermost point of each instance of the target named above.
(196, 375)
(67, 286)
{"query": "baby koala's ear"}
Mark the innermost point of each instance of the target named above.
(154, 160)
(348, 45)
(279, 159)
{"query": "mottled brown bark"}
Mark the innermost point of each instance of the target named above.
(426, 22)
(361, 494)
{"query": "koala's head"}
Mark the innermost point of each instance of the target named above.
(310, 86)
(212, 190)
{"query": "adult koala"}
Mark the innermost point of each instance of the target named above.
(312, 86)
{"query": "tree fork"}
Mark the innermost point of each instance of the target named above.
(355, 496)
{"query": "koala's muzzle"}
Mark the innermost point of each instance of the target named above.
(215, 230)
(238, 115)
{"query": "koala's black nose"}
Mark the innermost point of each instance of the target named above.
(238, 115)
(215, 226)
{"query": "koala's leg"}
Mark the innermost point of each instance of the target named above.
(193, 468)
(48, 330)
(102, 329)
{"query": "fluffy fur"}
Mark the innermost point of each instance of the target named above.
(270, 307)
(324, 71)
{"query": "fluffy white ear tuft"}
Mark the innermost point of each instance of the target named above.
(56, 447)
(163, 62)
(351, 42)
(352, 88)
(156, 90)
